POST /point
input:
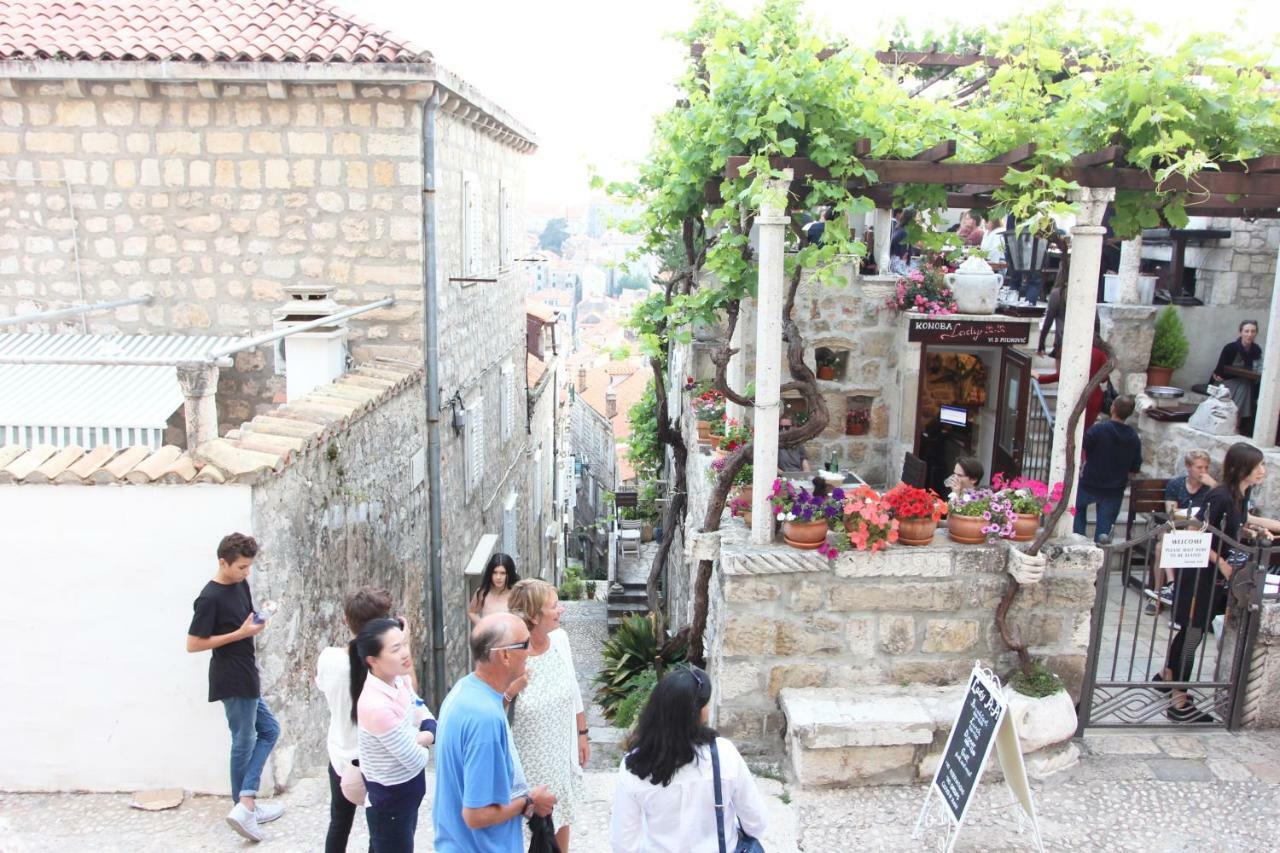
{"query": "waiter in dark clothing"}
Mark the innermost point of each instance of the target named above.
(1113, 452)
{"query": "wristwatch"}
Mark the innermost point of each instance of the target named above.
(528, 806)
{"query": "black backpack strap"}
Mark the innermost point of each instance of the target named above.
(715, 775)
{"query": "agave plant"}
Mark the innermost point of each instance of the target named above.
(630, 653)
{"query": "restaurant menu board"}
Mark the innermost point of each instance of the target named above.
(970, 743)
(982, 723)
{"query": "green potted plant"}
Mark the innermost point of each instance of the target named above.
(628, 655)
(826, 364)
(1168, 348)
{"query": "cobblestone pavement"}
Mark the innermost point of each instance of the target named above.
(585, 623)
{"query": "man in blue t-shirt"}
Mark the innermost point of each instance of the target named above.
(1113, 453)
(1187, 492)
(481, 793)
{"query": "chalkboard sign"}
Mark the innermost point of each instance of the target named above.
(981, 724)
(970, 743)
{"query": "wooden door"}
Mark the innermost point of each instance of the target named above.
(1011, 412)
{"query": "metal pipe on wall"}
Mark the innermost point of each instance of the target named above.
(73, 311)
(430, 356)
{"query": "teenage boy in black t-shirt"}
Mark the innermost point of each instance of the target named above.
(225, 622)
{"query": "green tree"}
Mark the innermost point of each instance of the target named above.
(554, 235)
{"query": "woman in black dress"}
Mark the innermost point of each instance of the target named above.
(1243, 353)
(1197, 595)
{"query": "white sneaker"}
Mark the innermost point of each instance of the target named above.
(267, 812)
(244, 822)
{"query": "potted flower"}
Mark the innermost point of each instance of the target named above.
(1030, 500)
(867, 522)
(1169, 348)
(716, 432)
(980, 515)
(856, 422)
(826, 364)
(708, 407)
(740, 507)
(917, 511)
(805, 517)
(923, 290)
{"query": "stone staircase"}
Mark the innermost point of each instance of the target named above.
(633, 599)
(885, 735)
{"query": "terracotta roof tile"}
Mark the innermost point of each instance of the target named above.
(195, 30)
(258, 448)
(534, 368)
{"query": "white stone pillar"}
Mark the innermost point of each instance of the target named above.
(773, 221)
(883, 239)
(736, 374)
(1268, 409)
(1077, 331)
(199, 383)
(1130, 264)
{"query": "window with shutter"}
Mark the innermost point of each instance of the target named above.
(472, 237)
(507, 401)
(510, 528)
(504, 227)
(537, 483)
(475, 446)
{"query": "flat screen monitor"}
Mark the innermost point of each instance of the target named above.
(955, 415)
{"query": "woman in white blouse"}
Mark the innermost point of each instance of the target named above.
(664, 801)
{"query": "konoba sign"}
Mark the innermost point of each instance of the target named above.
(988, 332)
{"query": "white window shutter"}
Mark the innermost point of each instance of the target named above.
(537, 483)
(507, 401)
(504, 227)
(475, 448)
(510, 529)
(472, 237)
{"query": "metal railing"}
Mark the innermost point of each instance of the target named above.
(73, 311)
(1038, 447)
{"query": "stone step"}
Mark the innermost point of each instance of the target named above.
(894, 735)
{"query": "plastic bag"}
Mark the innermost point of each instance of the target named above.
(1218, 414)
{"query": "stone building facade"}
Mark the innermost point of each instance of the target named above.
(214, 184)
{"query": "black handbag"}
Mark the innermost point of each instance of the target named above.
(542, 835)
(746, 844)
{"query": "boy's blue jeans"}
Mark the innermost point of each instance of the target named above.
(254, 731)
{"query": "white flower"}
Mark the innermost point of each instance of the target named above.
(782, 516)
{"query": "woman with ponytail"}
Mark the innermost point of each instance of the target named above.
(336, 676)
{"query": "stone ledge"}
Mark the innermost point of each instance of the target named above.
(827, 718)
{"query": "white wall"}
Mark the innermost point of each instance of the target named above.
(99, 691)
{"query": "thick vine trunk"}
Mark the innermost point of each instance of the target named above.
(1069, 474)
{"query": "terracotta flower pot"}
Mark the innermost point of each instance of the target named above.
(715, 441)
(1025, 527)
(704, 430)
(826, 372)
(966, 529)
(805, 535)
(746, 492)
(856, 429)
(746, 518)
(1159, 376)
(916, 531)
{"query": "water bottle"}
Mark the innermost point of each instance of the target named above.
(268, 610)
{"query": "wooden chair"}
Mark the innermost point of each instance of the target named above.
(1146, 499)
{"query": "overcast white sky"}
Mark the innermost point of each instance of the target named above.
(587, 77)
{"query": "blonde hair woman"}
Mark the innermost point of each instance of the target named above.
(548, 725)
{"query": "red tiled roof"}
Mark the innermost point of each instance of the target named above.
(194, 31)
(539, 310)
(534, 368)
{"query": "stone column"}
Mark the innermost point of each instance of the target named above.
(1130, 265)
(736, 374)
(199, 383)
(773, 221)
(1082, 296)
(883, 237)
(1268, 409)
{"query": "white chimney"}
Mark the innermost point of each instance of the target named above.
(312, 358)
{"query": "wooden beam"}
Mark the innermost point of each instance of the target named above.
(1021, 154)
(1103, 157)
(1265, 163)
(941, 151)
(935, 59)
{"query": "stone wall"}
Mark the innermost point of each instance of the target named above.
(348, 513)
(906, 616)
(1165, 444)
(592, 440)
(1262, 693)
(1238, 271)
(215, 204)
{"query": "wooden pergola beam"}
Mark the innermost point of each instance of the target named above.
(943, 150)
(1021, 154)
(1104, 157)
(935, 59)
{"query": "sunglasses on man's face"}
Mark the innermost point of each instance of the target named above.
(511, 647)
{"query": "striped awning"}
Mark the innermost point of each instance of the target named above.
(89, 405)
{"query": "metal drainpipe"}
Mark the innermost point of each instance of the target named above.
(430, 353)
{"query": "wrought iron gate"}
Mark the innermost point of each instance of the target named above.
(1126, 682)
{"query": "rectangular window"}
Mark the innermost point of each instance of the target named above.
(475, 446)
(510, 526)
(537, 483)
(472, 236)
(504, 227)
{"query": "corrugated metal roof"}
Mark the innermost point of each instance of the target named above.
(62, 404)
